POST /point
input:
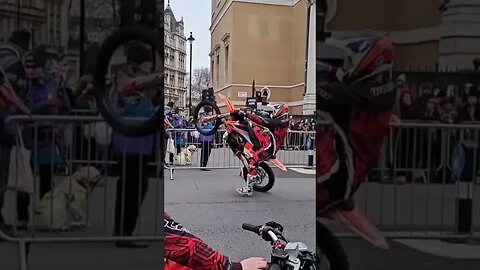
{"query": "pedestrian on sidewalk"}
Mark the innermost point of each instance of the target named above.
(206, 144)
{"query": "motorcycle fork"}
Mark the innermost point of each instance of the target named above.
(246, 163)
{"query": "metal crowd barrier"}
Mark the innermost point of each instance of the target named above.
(60, 146)
(211, 152)
(420, 188)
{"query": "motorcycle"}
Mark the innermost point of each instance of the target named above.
(285, 255)
(239, 138)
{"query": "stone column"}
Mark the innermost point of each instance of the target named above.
(459, 34)
(309, 99)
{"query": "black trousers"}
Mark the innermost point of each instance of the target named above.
(131, 191)
(206, 150)
(23, 199)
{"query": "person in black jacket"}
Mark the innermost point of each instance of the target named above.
(471, 111)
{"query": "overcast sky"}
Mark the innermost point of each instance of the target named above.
(196, 15)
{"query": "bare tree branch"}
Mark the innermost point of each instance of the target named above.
(200, 81)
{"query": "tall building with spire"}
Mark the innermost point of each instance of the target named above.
(175, 55)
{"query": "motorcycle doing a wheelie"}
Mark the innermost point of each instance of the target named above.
(240, 138)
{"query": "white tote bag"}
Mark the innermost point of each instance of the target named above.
(103, 134)
(20, 174)
(171, 146)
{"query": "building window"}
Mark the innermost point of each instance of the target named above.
(172, 79)
(218, 68)
(212, 70)
(226, 63)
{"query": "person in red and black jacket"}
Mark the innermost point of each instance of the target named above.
(183, 251)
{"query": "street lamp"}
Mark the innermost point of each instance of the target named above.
(191, 40)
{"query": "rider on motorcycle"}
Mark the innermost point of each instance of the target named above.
(358, 99)
(268, 137)
(183, 250)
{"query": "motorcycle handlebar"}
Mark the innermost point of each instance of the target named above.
(261, 231)
(251, 228)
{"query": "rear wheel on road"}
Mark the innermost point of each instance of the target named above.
(266, 177)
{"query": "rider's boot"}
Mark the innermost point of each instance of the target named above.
(248, 190)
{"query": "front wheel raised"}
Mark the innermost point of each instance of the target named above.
(266, 178)
(135, 94)
(202, 111)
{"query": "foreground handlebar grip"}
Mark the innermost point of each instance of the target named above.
(252, 228)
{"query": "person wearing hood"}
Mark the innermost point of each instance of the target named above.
(132, 153)
(43, 97)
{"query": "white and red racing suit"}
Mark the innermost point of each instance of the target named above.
(349, 148)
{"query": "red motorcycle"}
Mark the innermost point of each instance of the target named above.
(239, 137)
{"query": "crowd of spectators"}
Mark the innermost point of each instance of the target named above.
(437, 104)
(41, 84)
(425, 153)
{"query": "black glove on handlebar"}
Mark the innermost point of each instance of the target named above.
(239, 115)
(277, 228)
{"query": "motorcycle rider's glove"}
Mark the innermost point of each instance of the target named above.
(239, 115)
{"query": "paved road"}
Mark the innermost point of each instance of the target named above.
(207, 203)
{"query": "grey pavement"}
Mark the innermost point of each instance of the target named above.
(208, 205)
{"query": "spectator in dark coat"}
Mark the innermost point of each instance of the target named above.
(407, 110)
(471, 111)
(429, 111)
